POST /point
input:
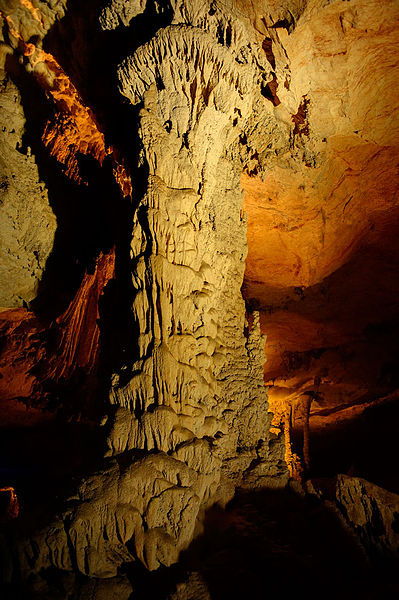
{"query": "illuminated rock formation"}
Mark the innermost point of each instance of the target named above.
(30, 362)
(27, 221)
(279, 115)
(194, 395)
(323, 214)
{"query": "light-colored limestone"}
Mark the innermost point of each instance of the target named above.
(27, 223)
(189, 416)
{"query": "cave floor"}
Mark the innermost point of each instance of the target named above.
(265, 543)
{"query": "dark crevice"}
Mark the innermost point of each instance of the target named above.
(265, 540)
(301, 125)
(287, 24)
(269, 90)
(267, 46)
(91, 58)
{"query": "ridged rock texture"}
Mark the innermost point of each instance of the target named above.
(188, 416)
(250, 156)
(369, 511)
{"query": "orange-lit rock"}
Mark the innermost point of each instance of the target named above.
(323, 215)
(73, 130)
(29, 362)
(20, 352)
(77, 329)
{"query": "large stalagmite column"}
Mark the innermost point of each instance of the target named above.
(196, 375)
(196, 390)
(190, 414)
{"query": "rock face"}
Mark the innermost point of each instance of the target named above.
(371, 513)
(28, 365)
(27, 221)
(188, 415)
(323, 213)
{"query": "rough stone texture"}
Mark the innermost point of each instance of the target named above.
(189, 416)
(323, 212)
(26, 219)
(28, 366)
(27, 222)
(147, 510)
(193, 588)
(273, 97)
(31, 20)
(371, 512)
(120, 12)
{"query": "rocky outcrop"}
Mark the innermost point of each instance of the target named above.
(27, 221)
(188, 418)
(370, 512)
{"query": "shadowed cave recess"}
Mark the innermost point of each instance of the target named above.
(199, 316)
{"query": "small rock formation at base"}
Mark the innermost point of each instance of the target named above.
(371, 513)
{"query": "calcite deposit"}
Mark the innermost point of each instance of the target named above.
(248, 165)
(27, 222)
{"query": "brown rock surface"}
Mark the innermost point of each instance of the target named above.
(370, 511)
(323, 215)
(34, 357)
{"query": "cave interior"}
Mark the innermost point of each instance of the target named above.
(199, 314)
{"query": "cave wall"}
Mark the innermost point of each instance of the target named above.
(323, 217)
(192, 131)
